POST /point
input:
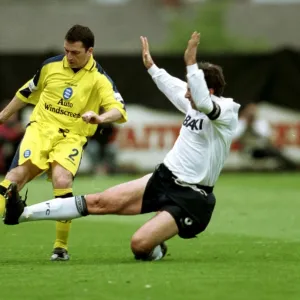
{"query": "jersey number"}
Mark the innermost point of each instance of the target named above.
(74, 153)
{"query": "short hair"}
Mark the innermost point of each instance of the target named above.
(214, 77)
(79, 33)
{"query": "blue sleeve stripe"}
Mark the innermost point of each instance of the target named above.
(101, 70)
(53, 59)
(36, 77)
(25, 92)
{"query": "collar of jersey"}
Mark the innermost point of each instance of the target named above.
(89, 66)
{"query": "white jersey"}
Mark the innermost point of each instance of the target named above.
(199, 153)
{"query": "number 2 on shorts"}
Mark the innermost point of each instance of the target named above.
(73, 154)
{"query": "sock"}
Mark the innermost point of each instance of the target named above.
(63, 226)
(56, 209)
(3, 188)
(155, 254)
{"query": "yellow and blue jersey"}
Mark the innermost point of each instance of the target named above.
(61, 95)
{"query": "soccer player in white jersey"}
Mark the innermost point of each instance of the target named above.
(180, 189)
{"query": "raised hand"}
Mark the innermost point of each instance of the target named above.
(147, 59)
(190, 54)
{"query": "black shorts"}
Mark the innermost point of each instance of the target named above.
(191, 206)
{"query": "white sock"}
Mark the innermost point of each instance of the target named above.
(56, 209)
(156, 253)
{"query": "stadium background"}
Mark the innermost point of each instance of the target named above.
(251, 249)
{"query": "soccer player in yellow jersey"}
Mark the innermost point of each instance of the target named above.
(72, 95)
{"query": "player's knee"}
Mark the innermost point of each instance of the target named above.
(62, 181)
(140, 245)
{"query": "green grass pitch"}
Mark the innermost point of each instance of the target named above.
(251, 249)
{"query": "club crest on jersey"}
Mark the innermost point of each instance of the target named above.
(27, 153)
(67, 94)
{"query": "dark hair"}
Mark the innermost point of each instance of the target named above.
(214, 77)
(79, 33)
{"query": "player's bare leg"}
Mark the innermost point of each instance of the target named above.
(20, 176)
(148, 242)
(23, 174)
(62, 181)
(123, 199)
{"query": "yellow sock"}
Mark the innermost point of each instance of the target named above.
(3, 188)
(62, 227)
(62, 234)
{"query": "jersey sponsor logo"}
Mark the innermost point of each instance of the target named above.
(67, 94)
(65, 103)
(27, 153)
(59, 110)
(194, 124)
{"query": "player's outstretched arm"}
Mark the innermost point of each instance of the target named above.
(190, 54)
(110, 116)
(197, 84)
(14, 105)
(173, 88)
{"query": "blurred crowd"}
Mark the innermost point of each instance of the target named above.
(10, 135)
(254, 138)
